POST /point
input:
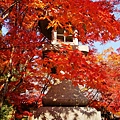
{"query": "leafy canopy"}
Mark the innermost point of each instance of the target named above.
(24, 75)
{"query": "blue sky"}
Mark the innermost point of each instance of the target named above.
(109, 44)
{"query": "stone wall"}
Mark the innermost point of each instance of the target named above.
(66, 113)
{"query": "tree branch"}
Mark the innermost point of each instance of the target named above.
(9, 9)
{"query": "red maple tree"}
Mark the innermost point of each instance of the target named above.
(23, 77)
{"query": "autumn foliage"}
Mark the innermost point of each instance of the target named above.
(25, 75)
(111, 64)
